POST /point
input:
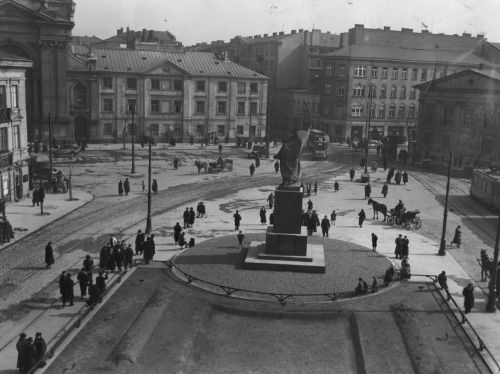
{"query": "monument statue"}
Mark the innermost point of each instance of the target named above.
(289, 156)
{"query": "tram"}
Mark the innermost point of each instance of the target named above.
(485, 187)
(320, 146)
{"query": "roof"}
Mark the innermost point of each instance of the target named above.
(12, 57)
(192, 63)
(491, 74)
(406, 54)
(496, 45)
(85, 40)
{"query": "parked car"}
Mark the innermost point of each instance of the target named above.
(70, 150)
(258, 150)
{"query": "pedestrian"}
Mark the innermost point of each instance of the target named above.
(41, 196)
(352, 173)
(443, 280)
(21, 353)
(103, 258)
(348, 141)
(399, 246)
(118, 254)
(262, 213)
(30, 354)
(368, 191)
(237, 220)
(139, 241)
(457, 239)
(120, 188)
(191, 242)
(34, 199)
(182, 240)
(361, 288)
(374, 242)
(270, 200)
(374, 165)
(468, 293)
(143, 186)
(252, 169)
(362, 217)
(154, 186)
(68, 294)
(325, 226)
(126, 186)
(277, 166)
(309, 189)
(388, 276)
(49, 255)
(176, 164)
(112, 240)
(333, 218)
(362, 163)
(309, 205)
(390, 174)
(110, 262)
(336, 186)
(311, 221)
(88, 264)
(192, 215)
(220, 148)
(405, 177)
(100, 281)
(185, 216)
(41, 349)
(257, 161)
(405, 248)
(148, 250)
(153, 244)
(177, 232)
(375, 285)
(271, 218)
(240, 239)
(128, 257)
(94, 294)
(315, 188)
(397, 177)
(385, 189)
(83, 282)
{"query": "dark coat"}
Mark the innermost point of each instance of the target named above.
(49, 255)
(185, 215)
(62, 278)
(405, 177)
(368, 190)
(41, 349)
(192, 215)
(154, 186)
(385, 189)
(468, 294)
(103, 258)
(177, 231)
(120, 188)
(41, 194)
(237, 219)
(101, 282)
(35, 196)
(148, 250)
(362, 217)
(68, 294)
(88, 263)
(325, 223)
(263, 218)
(139, 241)
(126, 186)
(457, 239)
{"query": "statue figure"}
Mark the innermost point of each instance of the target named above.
(289, 156)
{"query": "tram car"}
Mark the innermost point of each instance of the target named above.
(485, 187)
(318, 142)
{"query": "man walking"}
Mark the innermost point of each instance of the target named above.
(240, 239)
(49, 255)
(352, 173)
(237, 220)
(185, 216)
(374, 242)
(126, 186)
(139, 241)
(270, 200)
(252, 169)
(325, 226)
(368, 191)
(362, 217)
(83, 281)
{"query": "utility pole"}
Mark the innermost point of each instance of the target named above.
(490, 306)
(133, 145)
(148, 219)
(442, 246)
(50, 153)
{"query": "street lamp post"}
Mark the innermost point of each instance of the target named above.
(50, 151)
(133, 147)
(366, 176)
(442, 246)
(490, 306)
(148, 219)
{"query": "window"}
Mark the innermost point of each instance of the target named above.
(254, 88)
(357, 110)
(423, 77)
(328, 70)
(108, 130)
(340, 110)
(79, 95)
(155, 106)
(153, 129)
(107, 105)
(131, 105)
(242, 87)
(253, 108)
(222, 87)
(221, 107)
(373, 91)
(394, 73)
(239, 130)
(14, 97)
(358, 91)
(384, 73)
(402, 94)
(155, 84)
(392, 111)
(383, 92)
(374, 72)
(372, 110)
(328, 88)
(177, 85)
(200, 107)
(107, 82)
(200, 86)
(414, 73)
(401, 112)
(131, 84)
(16, 137)
(360, 71)
(404, 74)
(199, 130)
(221, 130)
(393, 92)
(241, 108)
(4, 141)
(341, 71)
(381, 110)
(3, 97)
(341, 91)
(166, 106)
(411, 111)
(412, 93)
(177, 106)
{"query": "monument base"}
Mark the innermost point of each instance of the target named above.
(312, 262)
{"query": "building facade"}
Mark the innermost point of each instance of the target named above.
(14, 155)
(166, 95)
(461, 113)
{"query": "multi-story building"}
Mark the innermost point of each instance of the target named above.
(179, 95)
(373, 79)
(148, 40)
(14, 154)
(461, 113)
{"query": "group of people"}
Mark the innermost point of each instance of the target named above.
(188, 217)
(30, 352)
(362, 286)
(402, 248)
(179, 237)
(399, 176)
(123, 187)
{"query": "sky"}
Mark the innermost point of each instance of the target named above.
(196, 21)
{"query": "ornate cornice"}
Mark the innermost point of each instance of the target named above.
(53, 44)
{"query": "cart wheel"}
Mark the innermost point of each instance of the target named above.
(406, 225)
(398, 221)
(417, 223)
(390, 220)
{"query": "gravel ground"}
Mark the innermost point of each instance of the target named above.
(219, 261)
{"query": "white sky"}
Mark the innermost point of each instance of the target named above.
(194, 21)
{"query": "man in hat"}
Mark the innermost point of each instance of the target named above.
(41, 349)
(21, 356)
(83, 281)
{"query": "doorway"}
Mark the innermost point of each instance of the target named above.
(81, 129)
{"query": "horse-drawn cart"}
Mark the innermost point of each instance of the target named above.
(405, 219)
(220, 165)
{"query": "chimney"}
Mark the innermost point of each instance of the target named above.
(300, 30)
(386, 28)
(294, 31)
(150, 36)
(275, 33)
(144, 35)
(282, 33)
(256, 36)
(119, 31)
(406, 30)
(466, 34)
(359, 25)
(328, 32)
(265, 35)
(425, 31)
(128, 29)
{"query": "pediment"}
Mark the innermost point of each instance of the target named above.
(164, 68)
(14, 11)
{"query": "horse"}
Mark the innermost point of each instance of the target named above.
(487, 266)
(201, 165)
(377, 207)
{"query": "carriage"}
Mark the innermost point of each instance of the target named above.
(405, 219)
(220, 165)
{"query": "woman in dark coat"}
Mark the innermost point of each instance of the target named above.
(126, 186)
(148, 251)
(49, 255)
(182, 241)
(177, 232)
(68, 294)
(41, 349)
(362, 217)
(468, 293)
(120, 188)
(103, 258)
(154, 186)
(457, 239)
(405, 177)
(385, 189)
(262, 213)
(110, 264)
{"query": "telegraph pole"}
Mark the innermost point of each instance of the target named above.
(442, 246)
(133, 146)
(148, 219)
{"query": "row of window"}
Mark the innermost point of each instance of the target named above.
(357, 110)
(4, 138)
(360, 71)
(259, 51)
(176, 85)
(14, 102)
(359, 91)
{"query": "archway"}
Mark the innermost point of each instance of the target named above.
(81, 127)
